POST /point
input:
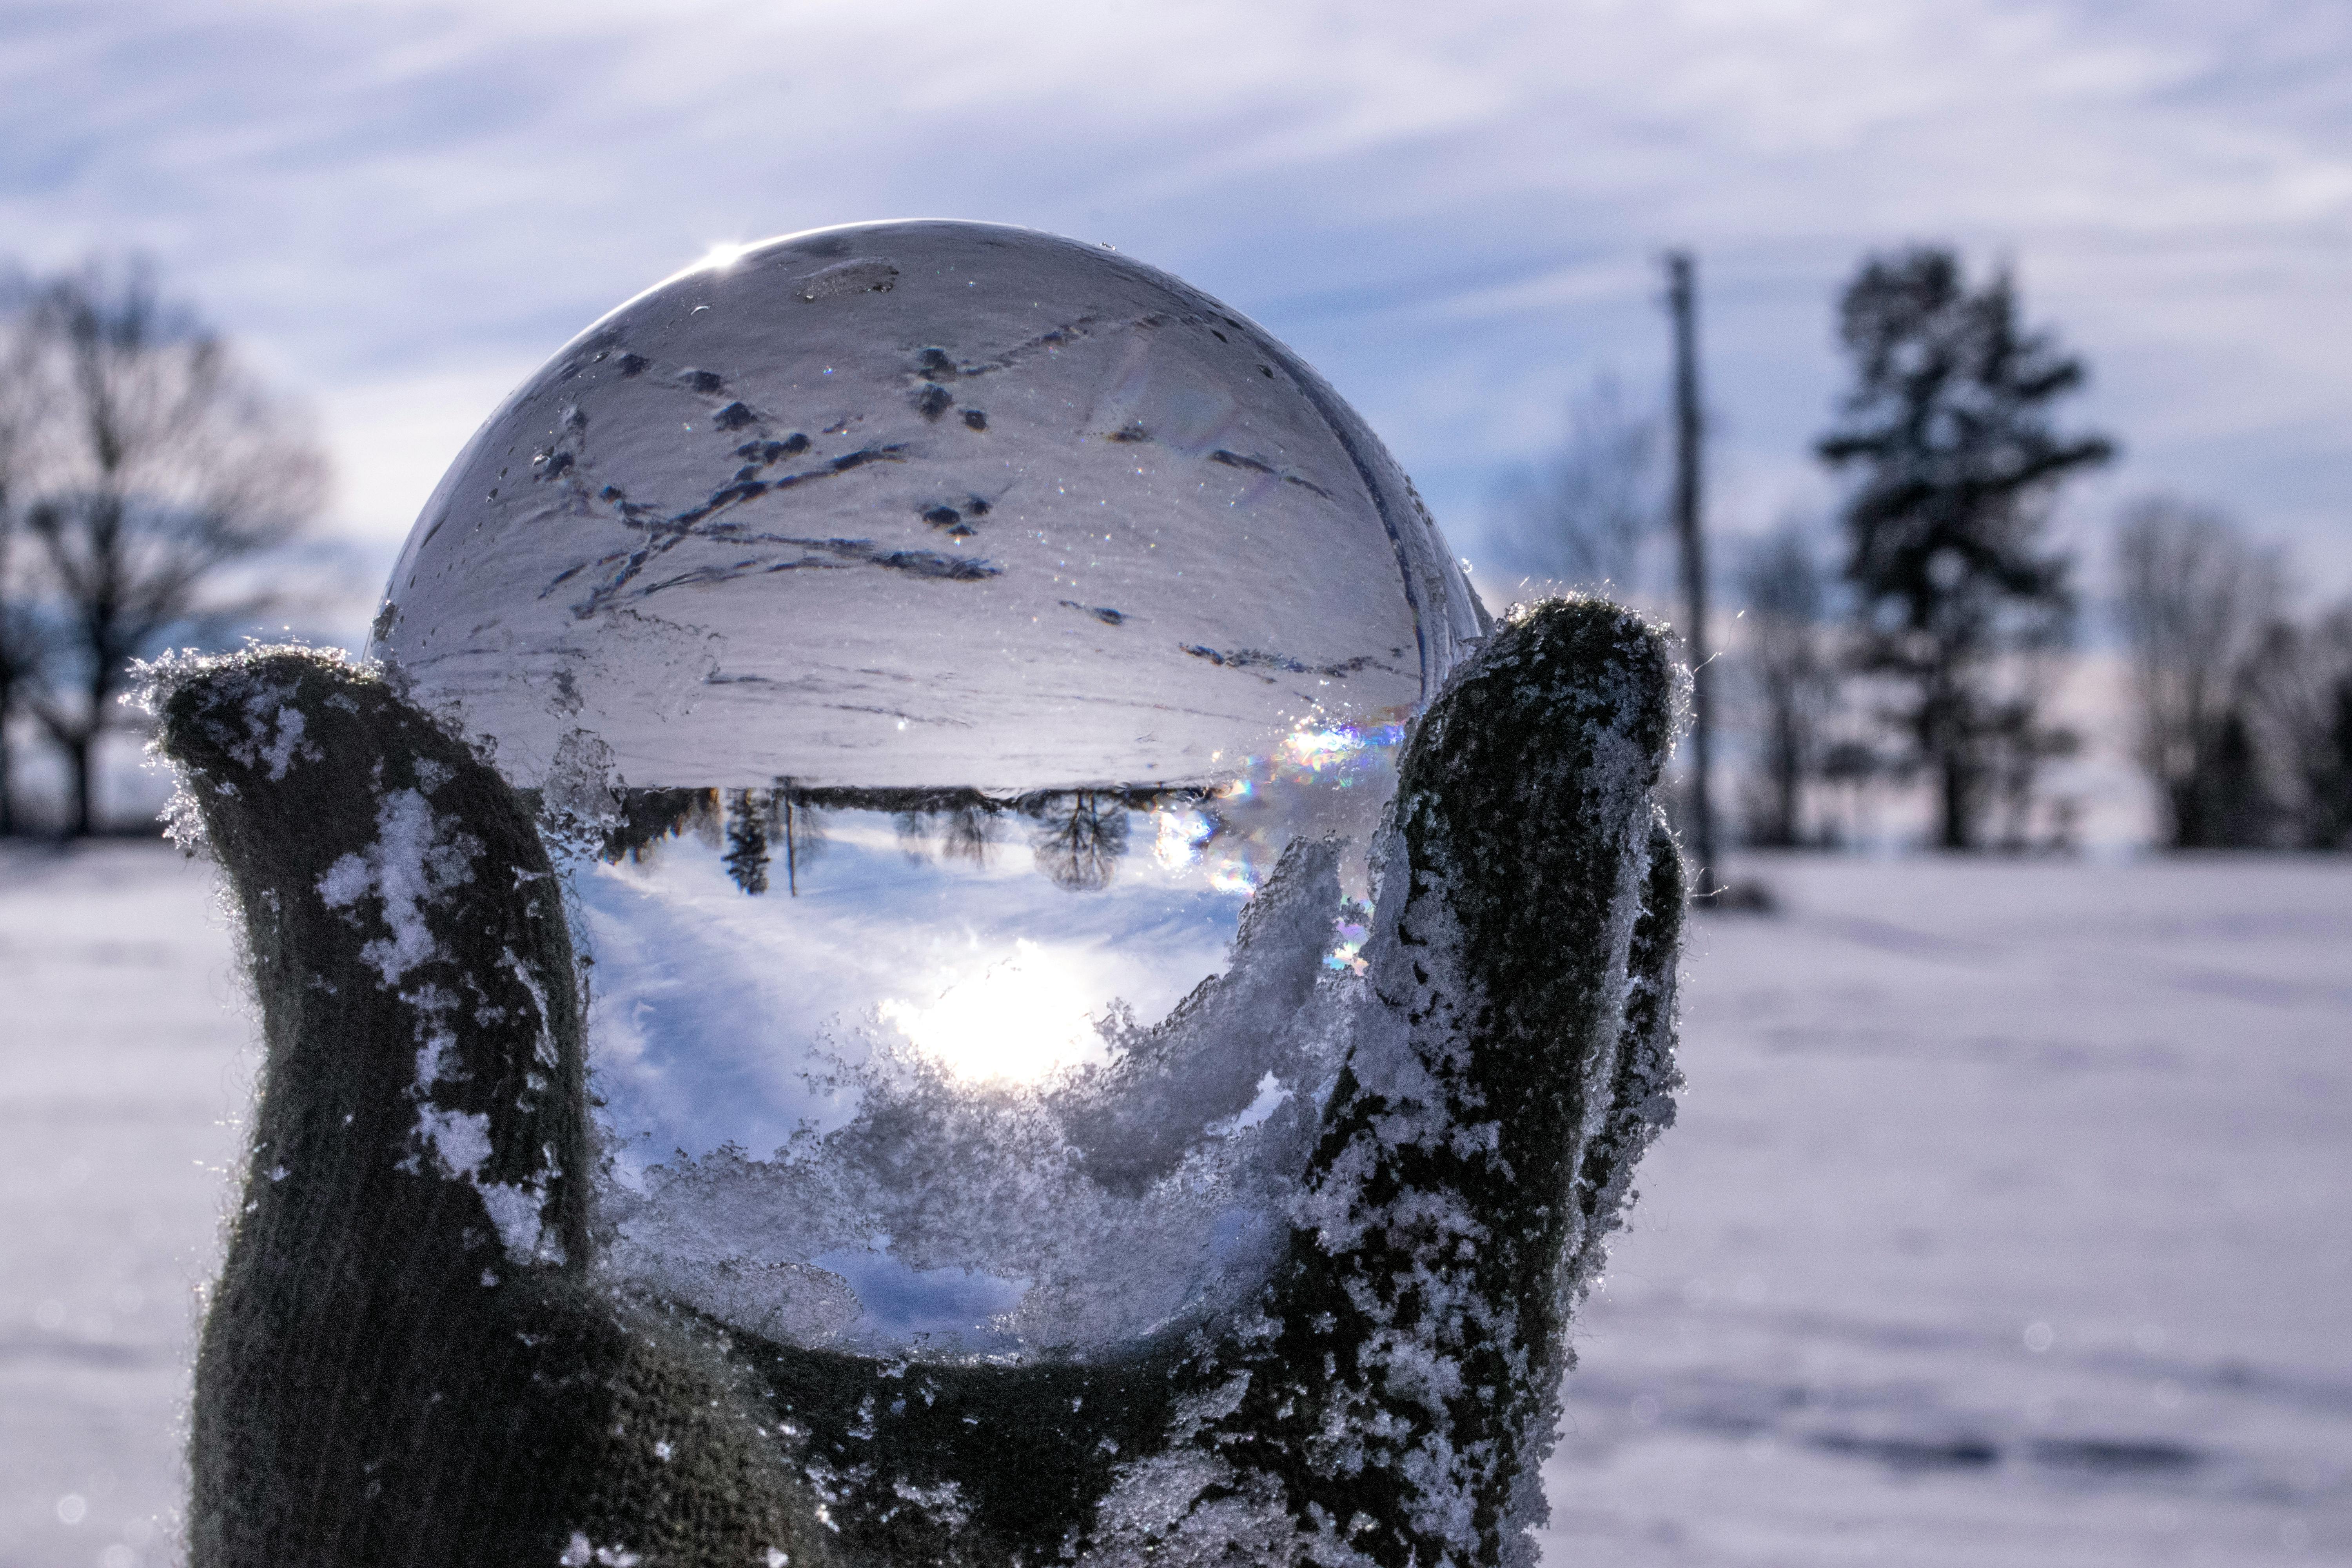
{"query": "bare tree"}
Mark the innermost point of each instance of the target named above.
(799, 827)
(2299, 709)
(1080, 840)
(1793, 677)
(155, 464)
(1584, 514)
(23, 656)
(23, 649)
(2021, 743)
(2195, 599)
(1851, 767)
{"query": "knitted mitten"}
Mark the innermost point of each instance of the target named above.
(412, 1358)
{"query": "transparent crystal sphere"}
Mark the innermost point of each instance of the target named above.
(960, 669)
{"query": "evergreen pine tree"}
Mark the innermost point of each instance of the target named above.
(1948, 432)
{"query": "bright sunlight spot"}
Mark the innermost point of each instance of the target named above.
(1020, 1018)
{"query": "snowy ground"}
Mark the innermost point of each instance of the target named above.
(2009, 1220)
(123, 1054)
(2006, 1221)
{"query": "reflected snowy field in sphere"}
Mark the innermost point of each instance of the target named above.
(961, 670)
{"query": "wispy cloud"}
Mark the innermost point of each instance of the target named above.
(1454, 211)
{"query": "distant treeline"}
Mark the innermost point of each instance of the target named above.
(1911, 645)
(769, 837)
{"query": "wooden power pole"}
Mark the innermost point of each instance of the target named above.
(1690, 529)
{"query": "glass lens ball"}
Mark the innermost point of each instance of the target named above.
(960, 671)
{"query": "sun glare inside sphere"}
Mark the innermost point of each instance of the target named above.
(924, 642)
(1025, 1015)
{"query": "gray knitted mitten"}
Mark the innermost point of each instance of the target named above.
(412, 1357)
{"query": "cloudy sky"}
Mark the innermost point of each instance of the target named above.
(1456, 211)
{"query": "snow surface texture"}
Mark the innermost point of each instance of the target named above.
(2003, 1224)
(1932, 1104)
(1387, 1398)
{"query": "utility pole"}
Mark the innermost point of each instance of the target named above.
(1681, 301)
(791, 830)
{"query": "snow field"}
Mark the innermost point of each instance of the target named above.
(2004, 1222)
(125, 1054)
